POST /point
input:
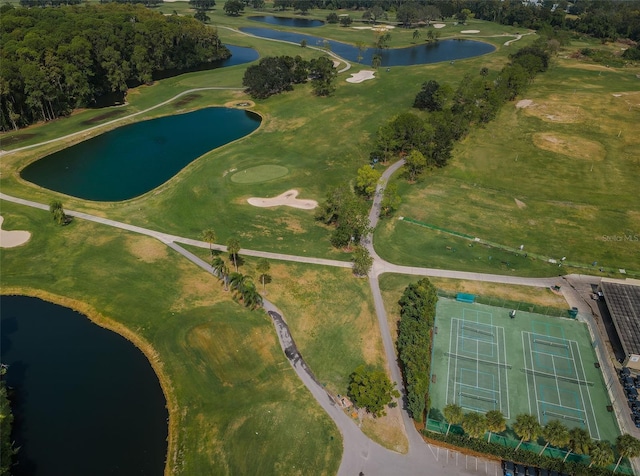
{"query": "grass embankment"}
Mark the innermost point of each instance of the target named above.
(230, 389)
(332, 319)
(558, 176)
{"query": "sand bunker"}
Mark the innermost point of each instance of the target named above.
(524, 103)
(287, 198)
(363, 75)
(374, 28)
(439, 25)
(470, 31)
(11, 239)
(571, 146)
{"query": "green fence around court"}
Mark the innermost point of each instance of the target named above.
(437, 426)
(508, 304)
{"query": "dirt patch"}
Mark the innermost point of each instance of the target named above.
(520, 204)
(146, 249)
(470, 31)
(542, 297)
(571, 146)
(524, 103)
(16, 139)
(184, 100)
(553, 111)
(387, 430)
(101, 117)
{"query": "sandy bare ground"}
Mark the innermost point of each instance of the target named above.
(375, 28)
(524, 103)
(470, 31)
(361, 76)
(439, 25)
(11, 239)
(287, 198)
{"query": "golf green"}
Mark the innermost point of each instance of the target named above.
(260, 173)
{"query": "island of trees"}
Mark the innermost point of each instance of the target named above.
(53, 60)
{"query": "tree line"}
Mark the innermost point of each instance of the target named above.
(555, 433)
(417, 314)
(55, 60)
(428, 142)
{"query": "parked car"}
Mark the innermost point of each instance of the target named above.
(543, 472)
(636, 421)
(635, 406)
(532, 471)
(509, 468)
(637, 382)
(520, 470)
(625, 372)
(632, 393)
(628, 382)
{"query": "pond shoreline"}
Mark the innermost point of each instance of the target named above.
(97, 318)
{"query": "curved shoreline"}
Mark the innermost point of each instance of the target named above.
(138, 341)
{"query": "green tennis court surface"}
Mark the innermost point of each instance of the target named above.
(484, 360)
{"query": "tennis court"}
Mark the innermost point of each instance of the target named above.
(546, 366)
(477, 374)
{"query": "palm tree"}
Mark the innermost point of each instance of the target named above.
(221, 270)
(453, 414)
(209, 236)
(233, 247)
(526, 427)
(556, 434)
(579, 442)
(628, 447)
(495, 422)
(237, 282)
(250, 295)
(601, 454)
(263, 268)
(474, 424)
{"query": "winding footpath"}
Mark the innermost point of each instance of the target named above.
(361, 455)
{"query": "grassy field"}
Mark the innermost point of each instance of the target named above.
(231, 391)
(221, 366)
(558, 176)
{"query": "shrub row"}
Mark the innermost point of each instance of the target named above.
(417, 313)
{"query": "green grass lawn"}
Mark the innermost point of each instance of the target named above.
(233, 391)
(559, 177)
(521, 392)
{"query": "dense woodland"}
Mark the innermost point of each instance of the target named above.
(53, 60)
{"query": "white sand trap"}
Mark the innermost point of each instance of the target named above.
(524, 103)
(361, 76)
(11, 239)
(287, 198)
(470, 31)
(439, 25)
(361, 27)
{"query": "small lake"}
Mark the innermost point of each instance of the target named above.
(85, 400)
(294, 22)
(443, 50)
(134, 159)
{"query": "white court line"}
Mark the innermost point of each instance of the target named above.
(506, 381)
(477, 365)
(535, 385)
(593, 413)
(552, 355)
(449, 367)
(555, 375)
(455, 375)
(581, 410)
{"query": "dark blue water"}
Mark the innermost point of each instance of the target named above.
(133, 159)
(85, 400)
(444, 50)
(239, 55)
(294, 22)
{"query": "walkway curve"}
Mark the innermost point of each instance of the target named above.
(329, 52)
(114, 121)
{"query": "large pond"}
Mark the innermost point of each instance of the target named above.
(294, 22)
(85, 400)
(444, 50)
(133, 159)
